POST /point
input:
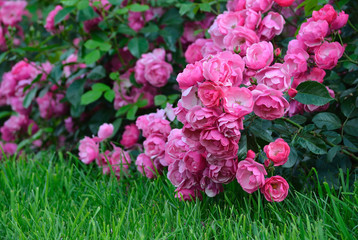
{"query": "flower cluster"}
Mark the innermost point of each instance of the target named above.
(116, 161)
(155, 128)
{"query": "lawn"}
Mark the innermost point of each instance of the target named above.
(54, 196)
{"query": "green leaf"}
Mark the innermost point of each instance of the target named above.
(137, 46)
(109, 95)
(86, 14)
(29, 97)
(351, 127)
(205, 7)
(328, 120)
(312, 92)
(332, 153)
(114, 76)
(97, 73)
(116, 125)
(82, 4)
(90, 97)
(292, 158)
(170, 36)
(123, 110)
(314, 144)
(61, 15)
(142, 103)
(5, 114)
(100, 87)
(115, 2)
(171, 17)
(332, 137)
(122, 11)
(131, 112)
(172, 98)
(159, 100)
(101, 44)
(124, 29)
(75, 91)
(138, 7)
(92, 57)
(185, 8)
(69, 2)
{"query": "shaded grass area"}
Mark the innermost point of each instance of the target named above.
(50, 197)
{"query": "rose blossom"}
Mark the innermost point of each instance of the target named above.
(326, 13)
(88, 150)
(271, 26)
(119, 161)
(274, 77)
(210, 188)
(239, 39)
(194, 161)
(259, 5)
(179, 176)
(191, 75)
(130, 136)
(175, 148)
(105, 131)
(275, 189)
(295, 62)
(312, 33)
(193, 52)
(11, 12)
(316, 74)
(154, 146)
(147, 166)
(259, 55)
(238, 101)
(327, 55)
(250, 174)
(223, 174)
(210, 94)
(187, 194)
(269, 103)
(200, 118)
(50, 20)
(340, 21)
(137, 20)
(235, 5)
(284, 3)
(230, 126)
(278, 152)
(314, 108)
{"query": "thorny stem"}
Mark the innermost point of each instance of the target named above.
(324, 139)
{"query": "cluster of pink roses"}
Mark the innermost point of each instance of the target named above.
(116, 161)
(11, 13)
(155, 128)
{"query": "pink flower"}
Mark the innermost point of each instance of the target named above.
(274, 77)
(194, 161)
(193, 52)
(278, 152)
(154, 146)
(217, 145)
(9, 148)
(117, 161)
(296, 62)
(179, 176)
(223, 174)
(313, 33)
(130, 136)
(175, 148)
(340, 21)
(50, 21)
(316, 74)
(181, 112)
(211, 188)
(11, 12)
(327, 55)
(69, 125)
(314, 108)
(259, 55)
(88, 150)
(275, 189)
(224, 69)
(250, 174)
(210, 94)
(259, 5)
(137, 20)
(295, 108)
(326, 13)
(24, 70)
(271, 26)
(238, 101)
(239, 39)
(105, 131)
(230, 126)
(148, 167)
(50, 105)
(200, 118)
(154, 123)
(252, 18)
(189, 98)
(269, 103)
(187, 194)
(191, 75)
(284, 3)
(235, 5)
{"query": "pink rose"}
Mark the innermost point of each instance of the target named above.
(191, 137)
(269, 103)
(278, 152)
(230, 126)
(50, 105)
(193, 52)
(326, 13)
(316, 74)
(296, 62)
(340, 21)
(235, 5)
(271, 26)
(252, 18)
(217, 145)
(179, 176)
(147, 166)
(284, 3)
(130, 136)
(239, 39)
(191, 75)
(259, 55)
(223, 174)
(275, 189)
(119, 161)
(200, 118)
(88, 150)
(105, 131)
(314, 108)
(11, 12)
(274, 77)
(259, 5)
(327, 55)
(154, 146)
(295, 108)
(250, 174)
(210, 48)
(238, 101)
(181, 112)
(210, 188)
(50, 21)
(313, 33)
(187, 194)
(137, 20)
(210, 94)
(194, 161)
(175, 148)
(224, 69)
(24, 70)
(189, 98)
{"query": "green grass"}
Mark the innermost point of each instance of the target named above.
(48, 197)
